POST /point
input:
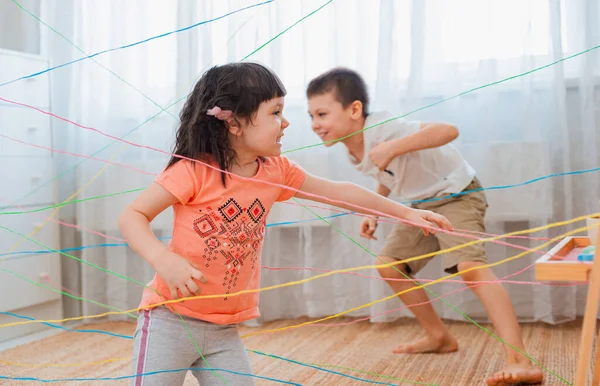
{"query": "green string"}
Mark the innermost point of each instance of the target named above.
(305, 147)
(133, 316)
(71, 202)
(448, 99)
(436, 295)
(98, 303)
(95, 61)
(92, 155)
(300, 148)
(73, 257)
(285, 30)
(111, 143)
(42, 285)
(162, 110)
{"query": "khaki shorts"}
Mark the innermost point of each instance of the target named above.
(466, 212)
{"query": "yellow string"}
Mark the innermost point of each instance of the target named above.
(37, 229)
(115, 154)
(289, 284)
(424, 285)
(333, 316)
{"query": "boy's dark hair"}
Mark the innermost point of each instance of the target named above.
(347, 85)
(239, 87)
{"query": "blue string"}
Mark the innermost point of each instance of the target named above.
(507, 186)
(333, 216)
(136, 43)
(319, 368)
(65, 328)
(276, 224)
(143, 375)
(43, 251)
(131, 337)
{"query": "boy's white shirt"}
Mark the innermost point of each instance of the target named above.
(417, 175)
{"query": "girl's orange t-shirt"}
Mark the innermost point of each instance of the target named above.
(220, 231)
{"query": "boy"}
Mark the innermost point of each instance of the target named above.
(416, 162)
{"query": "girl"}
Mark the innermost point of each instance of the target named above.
(232, 123)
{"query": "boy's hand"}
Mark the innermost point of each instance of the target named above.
(179, 275)
(382, 154)
(425, 218)
(368, 227)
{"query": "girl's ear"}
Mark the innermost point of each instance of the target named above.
(234, 127)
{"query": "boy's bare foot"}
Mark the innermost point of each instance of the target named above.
(517, 373)
(428, 344)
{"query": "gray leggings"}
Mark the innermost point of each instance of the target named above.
(162, 344)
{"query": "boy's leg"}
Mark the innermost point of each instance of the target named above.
(161, 345)
(498, 306)
(404, 242)
(467, 212)
(224, 350)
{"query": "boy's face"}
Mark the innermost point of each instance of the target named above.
(330, 120)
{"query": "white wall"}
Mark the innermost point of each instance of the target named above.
(18, 30)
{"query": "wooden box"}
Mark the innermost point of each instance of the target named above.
(561, 264)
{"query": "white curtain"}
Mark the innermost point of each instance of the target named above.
(411, 53)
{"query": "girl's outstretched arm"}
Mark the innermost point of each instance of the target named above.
(134, 224)
(361, 198)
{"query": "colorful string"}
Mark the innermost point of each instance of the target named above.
(163, 110)
(135, 44)
(111, 360)
(450, 98)
(498, 82)
(494, 187)
(285, 328)
(289, 284)
(434, 282)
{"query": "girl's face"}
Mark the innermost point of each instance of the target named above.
(261, 136)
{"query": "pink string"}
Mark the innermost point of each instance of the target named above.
(390, 221)
(70, 225)
(444, 295)
(421, 280)
(77, 155)
(58, 286)
(225, 171)
(266, 182)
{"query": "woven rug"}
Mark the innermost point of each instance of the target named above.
(361, 350)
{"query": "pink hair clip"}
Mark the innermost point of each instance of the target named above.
(220, 114)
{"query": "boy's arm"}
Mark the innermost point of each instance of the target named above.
(383, 190)
(356, 198)
(431, 135)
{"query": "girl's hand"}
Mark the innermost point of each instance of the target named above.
(179, 275)
(425, 218)
(368, 227)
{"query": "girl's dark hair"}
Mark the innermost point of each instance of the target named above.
(239, 87)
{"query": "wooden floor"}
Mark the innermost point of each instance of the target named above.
(361, 350)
